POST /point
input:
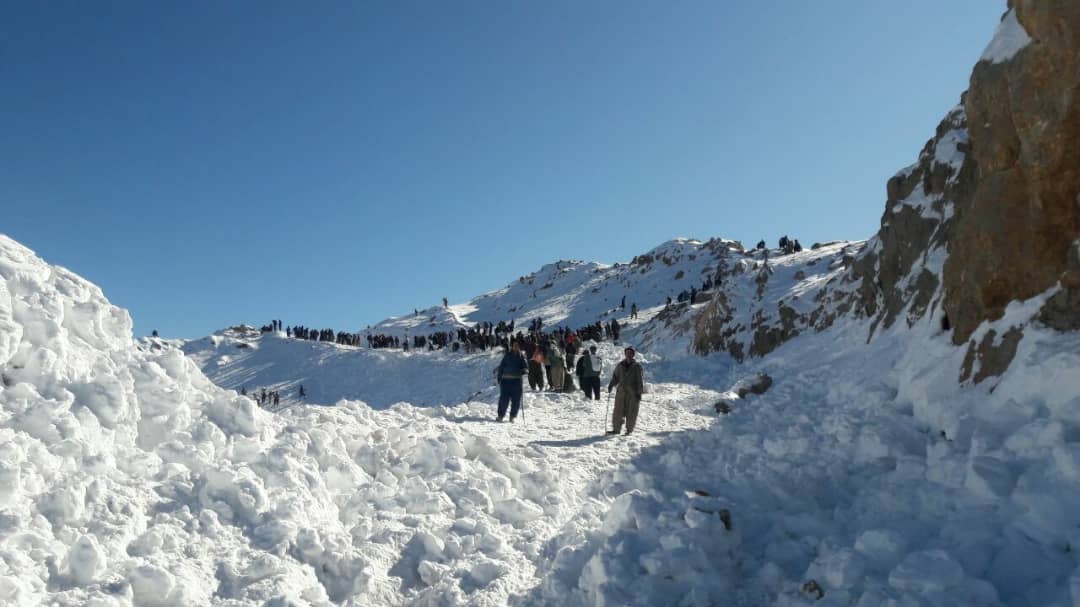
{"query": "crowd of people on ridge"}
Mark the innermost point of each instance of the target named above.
(786, 244)
(549, 359)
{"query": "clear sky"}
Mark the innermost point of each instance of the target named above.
(335, 163)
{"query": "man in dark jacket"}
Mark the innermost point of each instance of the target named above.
(590, 373)
(510, 371)
(629, 378)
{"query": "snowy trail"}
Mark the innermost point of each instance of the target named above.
(561, 440)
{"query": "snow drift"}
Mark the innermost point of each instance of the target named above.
(128, 478)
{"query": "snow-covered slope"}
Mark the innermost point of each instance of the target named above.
(130, 479)
(330, 372)
(867, 470)
(576, 293)
(758, 287)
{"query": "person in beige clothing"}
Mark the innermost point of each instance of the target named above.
(630, 380)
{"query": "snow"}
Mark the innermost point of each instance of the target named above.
(575, 293)
(1009, 39)
(132, 474)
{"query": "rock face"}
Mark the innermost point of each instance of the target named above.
(899, 269)
(989, 214)
(1014, 233)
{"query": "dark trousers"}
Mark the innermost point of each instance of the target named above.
(510, 393)
(536, 375)
(592, 387)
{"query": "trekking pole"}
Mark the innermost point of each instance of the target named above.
(607, 408)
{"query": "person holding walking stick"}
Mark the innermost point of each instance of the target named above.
(509, 373)
(629, 378)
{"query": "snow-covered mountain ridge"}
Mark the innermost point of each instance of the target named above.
(756, 283)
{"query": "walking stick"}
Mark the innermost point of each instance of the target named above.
(607, 408)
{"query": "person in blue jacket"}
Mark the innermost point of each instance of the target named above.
(511, 369)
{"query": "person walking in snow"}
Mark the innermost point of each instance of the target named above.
(579, 371)
(633, 310)
(622, 304)
(558, 368)
(630, 380)
(592, 367)
(510, 371)
(536, 369)
(302, 392)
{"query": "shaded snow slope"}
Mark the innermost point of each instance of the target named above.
(866, 470)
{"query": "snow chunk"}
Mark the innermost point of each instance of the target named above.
(926, 572)
(517, 511)
(1009, 39)
(85, 560)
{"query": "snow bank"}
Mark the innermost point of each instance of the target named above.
(128, 478)
(867, 475)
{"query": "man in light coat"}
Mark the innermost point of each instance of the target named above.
(630, 380)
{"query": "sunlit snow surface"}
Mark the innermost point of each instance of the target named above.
(128, 478)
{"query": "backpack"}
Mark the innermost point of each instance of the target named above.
(593, 366)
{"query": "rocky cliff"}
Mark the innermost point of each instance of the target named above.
(988, 215)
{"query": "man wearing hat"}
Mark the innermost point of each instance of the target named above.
(629, 378)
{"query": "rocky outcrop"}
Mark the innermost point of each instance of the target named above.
(1014, 234)
(899, 269)
(989, 214)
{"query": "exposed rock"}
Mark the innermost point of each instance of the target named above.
(1015, 232)
(989, 214)
(993, 358)
(813, 590)
(758, 384)
(768, 336)
(713, 329)
(1060, 311)
(897, 270)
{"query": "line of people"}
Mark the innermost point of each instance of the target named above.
(627, 379)
(272, 397)
(263, 397)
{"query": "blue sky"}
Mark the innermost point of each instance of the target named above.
(332, 164)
